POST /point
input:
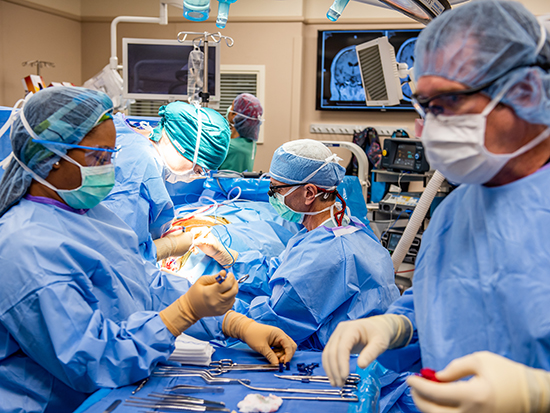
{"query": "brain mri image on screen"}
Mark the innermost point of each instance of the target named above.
(405, 54)
(345, 80)
(339, 83)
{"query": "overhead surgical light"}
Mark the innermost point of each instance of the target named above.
(422, 11)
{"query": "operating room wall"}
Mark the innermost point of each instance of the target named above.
(31, 34)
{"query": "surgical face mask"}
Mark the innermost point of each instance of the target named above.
(97, 182)
(277, 201)
(455, 146)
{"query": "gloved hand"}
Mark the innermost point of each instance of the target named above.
(260, 337)
(205, 298)
(173, 245)
(498, 385)
(211, 246)
(371, 336)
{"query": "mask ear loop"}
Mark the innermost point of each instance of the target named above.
(542, 39)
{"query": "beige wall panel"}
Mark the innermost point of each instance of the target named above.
(52, 38)
(242, 8)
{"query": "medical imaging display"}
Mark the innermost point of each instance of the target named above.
(162, 69)
(339, 85)
(404, 155)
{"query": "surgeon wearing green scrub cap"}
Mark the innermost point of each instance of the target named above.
(149, 159)
(190, 139)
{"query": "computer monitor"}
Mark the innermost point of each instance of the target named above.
(339, 83)
(156, 69)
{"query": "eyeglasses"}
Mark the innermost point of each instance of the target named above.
(94, 155)
(447, 103)
(274, 189)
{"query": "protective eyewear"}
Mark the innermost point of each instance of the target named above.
(274, 189)
(448, 103)
(94, 156)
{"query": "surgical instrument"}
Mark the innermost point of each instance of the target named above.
(186, 388)
(165, 397)
(343, 398)
(113, 406)
(353, 379)
(175, 406)
(333, 392)
(243, 278)
(225, 365)
(166, 371)
(140, 386)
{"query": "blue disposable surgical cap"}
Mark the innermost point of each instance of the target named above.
(57, 114)
(248, 117)
(180, 122)
(485, 40)
(306, 161)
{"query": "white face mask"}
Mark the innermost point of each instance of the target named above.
(455, 146)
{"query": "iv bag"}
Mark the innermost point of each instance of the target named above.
(195, 75)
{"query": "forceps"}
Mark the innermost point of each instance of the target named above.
(225, 365)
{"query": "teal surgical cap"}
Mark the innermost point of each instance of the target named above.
(488, 40)
(57, 114)
(306, 161)
(180, 122)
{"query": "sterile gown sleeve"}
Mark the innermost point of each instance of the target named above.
(406, 358)
(140, 197)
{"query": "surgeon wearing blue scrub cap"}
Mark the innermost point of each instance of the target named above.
(188, 141)
(481, 277)
(79, 307)
(333, 270)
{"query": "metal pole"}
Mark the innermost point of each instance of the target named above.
(205, 82)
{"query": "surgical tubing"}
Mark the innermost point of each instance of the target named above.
(416, 219)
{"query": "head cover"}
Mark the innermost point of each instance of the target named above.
(248, 117)
(486, 40)
(58, 114)
(306, 161)
(180, 121)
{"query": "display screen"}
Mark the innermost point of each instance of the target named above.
(339, 84)
(393, 241)
(404, 156)
(160, 70)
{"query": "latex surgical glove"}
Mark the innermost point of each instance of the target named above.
(173, 245)
(368, 336)
(205, 298)
(211, 246)
(498, 385)
(270, 341)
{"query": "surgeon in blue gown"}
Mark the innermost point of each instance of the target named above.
(171, 152)
(333, 270)
(481, 277)
(79, 307)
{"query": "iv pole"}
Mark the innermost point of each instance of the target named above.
(203, 37)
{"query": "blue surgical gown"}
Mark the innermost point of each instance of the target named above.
(78, 307)
(139, 196)
(323, 277)
(482, 275)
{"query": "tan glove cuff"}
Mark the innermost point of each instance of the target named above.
(403, 328)
(538, 385)
(165, 247)
(226, 259)
(178, 316)
(235, 325)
